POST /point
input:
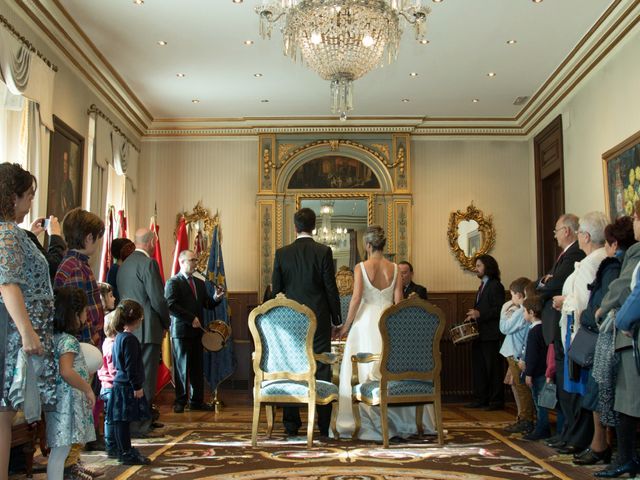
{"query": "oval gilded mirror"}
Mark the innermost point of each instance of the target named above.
(471, 234)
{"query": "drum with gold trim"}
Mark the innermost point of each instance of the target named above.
(215, 335)
(465, 332)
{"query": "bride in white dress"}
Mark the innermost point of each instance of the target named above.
(375, 288)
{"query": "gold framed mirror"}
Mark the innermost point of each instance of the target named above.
(200, 224)
(341, 221)
(471, 234)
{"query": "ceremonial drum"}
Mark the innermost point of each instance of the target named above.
(215, 335)
(465, 332)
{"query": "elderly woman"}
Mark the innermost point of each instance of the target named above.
(25, 288)
(618, 238)
(572, 302)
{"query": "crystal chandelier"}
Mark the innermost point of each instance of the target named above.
(336, 238)
(342, 40)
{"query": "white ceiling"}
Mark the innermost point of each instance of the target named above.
(205, 41)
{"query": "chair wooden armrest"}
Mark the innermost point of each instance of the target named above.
(365, 357)
(327, 358)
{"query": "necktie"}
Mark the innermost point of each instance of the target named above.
(479, 292)
(193, 286)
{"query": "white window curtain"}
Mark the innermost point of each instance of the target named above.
(102, 158)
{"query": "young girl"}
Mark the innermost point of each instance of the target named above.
(72, 421)
(127, 402)
(107, 372)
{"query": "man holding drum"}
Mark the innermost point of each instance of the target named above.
(187, 297)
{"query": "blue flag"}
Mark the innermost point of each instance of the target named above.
(218, 366)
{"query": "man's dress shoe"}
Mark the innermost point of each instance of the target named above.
(631, 467)
(568, 449)
(591, 457)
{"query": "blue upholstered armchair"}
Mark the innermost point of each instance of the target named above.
(284, 363)
(410, 364)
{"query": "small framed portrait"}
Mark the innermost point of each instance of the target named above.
(66, 159)
(621, 167)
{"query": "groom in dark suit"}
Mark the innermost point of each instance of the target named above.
(187, 298)
(304, 272)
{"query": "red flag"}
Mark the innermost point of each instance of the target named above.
(122, 225)
(157, 254)
(107, 258)
(182, 243)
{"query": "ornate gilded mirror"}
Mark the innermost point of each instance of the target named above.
(471, 234)
(341, 221)
(200, 224)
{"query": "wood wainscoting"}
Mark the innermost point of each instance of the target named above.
(456, 359)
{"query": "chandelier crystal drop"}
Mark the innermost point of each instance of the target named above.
(336, 238)
(342, 40)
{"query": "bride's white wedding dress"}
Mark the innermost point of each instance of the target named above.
(364, 336)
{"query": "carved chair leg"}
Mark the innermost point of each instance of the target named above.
(28, 451)
(355, 408)
(419, 415)
(254, 426)
(334, 420)
(270, 411)
(437, 407)
(311, 421)
(384, 417)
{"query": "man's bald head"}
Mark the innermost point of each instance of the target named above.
(146, 240)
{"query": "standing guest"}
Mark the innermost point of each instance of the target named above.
(485, 350)
(515, 328)
(121, 248)
(139, 279)
(83, 231)
(405, 269)
(304, 271)
(128, 402)
(56, 248)
(107, 371)
(71, 422)
(25, 292)
(535, 366)
(549, 286)
(187, 298)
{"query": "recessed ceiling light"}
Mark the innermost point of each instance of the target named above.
(264, 101)
(195, 100)
(413, 74)
(475, 100)
(491, 74)
(437, 1)
(511, 42)
(424, 41)
(405, 100)
(237, 1)
(257, 75)
(162, 43)
(181, 75)
(138, 2)
(248, 42)
(537, 1)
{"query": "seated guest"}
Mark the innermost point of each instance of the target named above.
(187, 298)
(405, 269)
(121, 248)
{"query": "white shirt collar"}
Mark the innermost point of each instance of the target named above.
(143, 251)
(304, 235)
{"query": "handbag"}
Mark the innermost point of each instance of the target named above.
(583, 347)
(547, 397)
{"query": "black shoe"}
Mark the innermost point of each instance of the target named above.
(556, 443)
(113, 453)
(133, 457)
(476, 405)
(203, 407)
(524, 426)
(494, 407)
(534, 436)
(96, 446)
(631, 467)
(568, 449)
(591, 457)
(178, 408)
(157, 425)
(155, 412)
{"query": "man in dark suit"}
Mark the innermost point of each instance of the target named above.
(549, 286)
(487, 369)
(57, 246)
(187, 297)
(304, 272)
(405, 269)
(139, 279)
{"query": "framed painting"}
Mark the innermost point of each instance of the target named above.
(66, 159)
(334, 171)
(621, 166)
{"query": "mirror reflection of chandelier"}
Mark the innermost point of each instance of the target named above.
(336, 238)
(342, 40)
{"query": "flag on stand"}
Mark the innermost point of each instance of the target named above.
(182, 243)
(107, 259)
(122, 225)
(164, 370)
(218, 366)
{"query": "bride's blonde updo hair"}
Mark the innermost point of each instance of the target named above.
(375, 237)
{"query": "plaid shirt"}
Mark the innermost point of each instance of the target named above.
(74, 271)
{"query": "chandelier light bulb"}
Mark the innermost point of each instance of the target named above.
(368, 41)
(316, 38)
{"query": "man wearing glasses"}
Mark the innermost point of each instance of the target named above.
(187, 298)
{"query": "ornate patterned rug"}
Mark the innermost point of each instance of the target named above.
(223, 451)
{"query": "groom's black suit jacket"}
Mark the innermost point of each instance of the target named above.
(304, 272)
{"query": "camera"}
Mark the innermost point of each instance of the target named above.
(45, 223)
